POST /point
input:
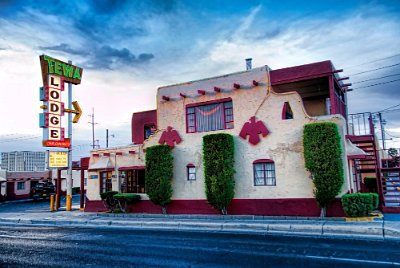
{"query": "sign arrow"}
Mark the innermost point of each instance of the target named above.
(77, 111)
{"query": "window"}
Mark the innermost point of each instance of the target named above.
(133, 181)
(287, 112)
(21, 185)
(105, 181)
(148, 130)
(264, 172)
(191, 172)
(209, 117)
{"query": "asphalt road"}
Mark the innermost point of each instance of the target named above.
(97, 247)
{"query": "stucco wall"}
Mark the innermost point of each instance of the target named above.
(283, 144)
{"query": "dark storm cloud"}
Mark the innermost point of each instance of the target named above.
(63, 48)
(104, 57)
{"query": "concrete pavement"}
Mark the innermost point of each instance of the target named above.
(384, 228)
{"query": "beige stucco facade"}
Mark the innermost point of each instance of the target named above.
(283, 144)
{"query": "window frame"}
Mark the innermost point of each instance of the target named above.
(20, 183)
(287, 112)
(265, 170)
(105, 185)
(190, 109)
(188, 172)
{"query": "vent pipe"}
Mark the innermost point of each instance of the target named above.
(248, 64)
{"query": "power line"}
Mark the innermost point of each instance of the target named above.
(383, 83)
(357, 82)
(380, 59)
(380, 68)
(392, 135)
(394, 106)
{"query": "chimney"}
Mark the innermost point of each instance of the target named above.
(248, 64)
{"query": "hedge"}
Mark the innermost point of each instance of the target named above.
(323, 158)
(359, 204)
(129, 198)
(218, 157)
(159, 172)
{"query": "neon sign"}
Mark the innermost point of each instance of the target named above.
(54, 74)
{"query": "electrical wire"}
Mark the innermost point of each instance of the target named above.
(357, 82)
(380, 59)
(380, 68)
(377, 84)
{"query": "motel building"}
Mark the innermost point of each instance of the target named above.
(265, 111)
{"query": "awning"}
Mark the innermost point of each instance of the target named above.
(2, 179)
(103, 163)
(353, 152)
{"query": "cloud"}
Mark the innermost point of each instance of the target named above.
(63, 48)
(104, 57)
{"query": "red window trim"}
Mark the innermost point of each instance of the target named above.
(208, 102)
(285, 108)
(258, 161)
(193, 105)
(131, 168)
(263, 161)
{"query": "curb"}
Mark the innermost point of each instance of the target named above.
(319, 229)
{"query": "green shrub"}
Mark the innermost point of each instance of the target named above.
(123, 199)
(108, 194)
(359, 204)
(218, 153)
(323, 158)
(127, 197)
(159, 172)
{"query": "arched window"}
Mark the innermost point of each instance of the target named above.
(287, 112)
(264, 172)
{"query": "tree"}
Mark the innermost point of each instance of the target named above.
(322, 154)
(159, 172)
(218, 153)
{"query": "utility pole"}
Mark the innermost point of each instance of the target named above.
(107, 138)
(69, 177)
(382, 123)
(93, 123)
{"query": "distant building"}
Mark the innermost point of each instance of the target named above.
(23, 161)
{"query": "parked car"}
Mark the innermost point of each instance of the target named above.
(43, 190)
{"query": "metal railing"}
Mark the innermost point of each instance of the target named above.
(360, 124)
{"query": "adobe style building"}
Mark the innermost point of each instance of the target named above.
(265, 111)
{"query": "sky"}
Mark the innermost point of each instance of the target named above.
(128, 49)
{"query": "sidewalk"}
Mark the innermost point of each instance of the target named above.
(379, 228)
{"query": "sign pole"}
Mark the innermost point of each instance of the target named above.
(69, 177)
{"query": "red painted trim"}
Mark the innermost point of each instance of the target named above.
(208, 102)
(132, 152)
(358, 156)
(95, 155)
(332, 95)
(217, 89)
(131, 167)
(106, 154)
(118, 153)
(182, 95)
(255, 83)
(236, 86)
(284, 109)
(263, 161)
(101, 169)
(201, 92)
(166, 98)
(190, 165)
(267, 207)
